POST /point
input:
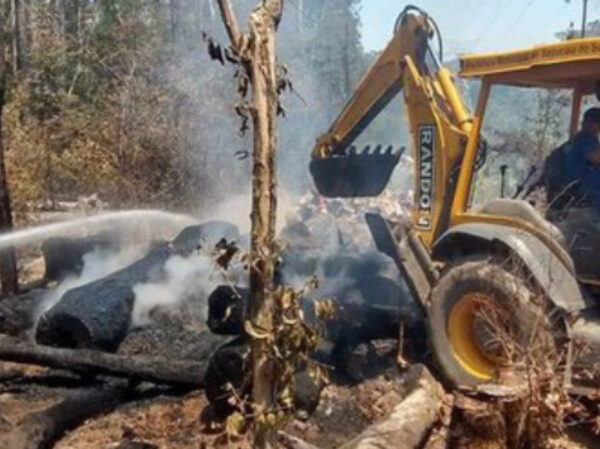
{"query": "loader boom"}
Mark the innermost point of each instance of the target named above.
(378, 87)
(439, 122)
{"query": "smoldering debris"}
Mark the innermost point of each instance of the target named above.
(172, 283)
(63, 256)
(329, 240)
(96, 264)
(99, 314)
(162, 300)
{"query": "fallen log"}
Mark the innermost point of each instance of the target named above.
(410, 422)
(40, 429)
(97, 315)
(226, 305)
(439, 437)
(354, 323)
(228, 379)
(151, 369)
(63, 256)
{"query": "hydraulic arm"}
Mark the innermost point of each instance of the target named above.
(438, 120)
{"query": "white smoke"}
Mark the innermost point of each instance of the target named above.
(236, 209)
(133, 232)
(191, 278)
(184, 279)
(97, 264)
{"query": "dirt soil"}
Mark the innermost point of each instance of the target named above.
(177, 422)
(169, 422)
(166, 422)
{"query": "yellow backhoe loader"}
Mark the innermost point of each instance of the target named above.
(500, 285)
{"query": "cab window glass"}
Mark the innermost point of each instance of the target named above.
(521, 126)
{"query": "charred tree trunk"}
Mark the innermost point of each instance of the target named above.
(258, 55)
(97, 315)
(8, 260)
(18, 41)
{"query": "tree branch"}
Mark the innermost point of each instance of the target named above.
(231, 24)
(275, 9)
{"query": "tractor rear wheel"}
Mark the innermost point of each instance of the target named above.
(484, 326)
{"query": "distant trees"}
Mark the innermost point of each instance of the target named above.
(117, 97)
(9, 280)
(333, 41)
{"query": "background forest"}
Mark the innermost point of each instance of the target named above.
(119, 98)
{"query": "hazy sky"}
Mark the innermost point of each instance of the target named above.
(479, 25)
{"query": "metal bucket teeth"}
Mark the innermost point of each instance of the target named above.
(353, 173)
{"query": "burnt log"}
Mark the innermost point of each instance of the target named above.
(410, 422)
(226, 305)
(228, 374)
(152, 369)
(360, 323)
(40, 429)
(355, 364)
(63, 256)
(354, 324)
(354, 337)
(307, 392)
(202, 236)
(97, 315)
(228, 379)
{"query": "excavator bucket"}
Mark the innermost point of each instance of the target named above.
(354, 174)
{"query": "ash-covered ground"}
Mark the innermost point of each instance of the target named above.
(168, 314)
(167, 317)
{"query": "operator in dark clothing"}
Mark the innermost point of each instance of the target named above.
(583, 157)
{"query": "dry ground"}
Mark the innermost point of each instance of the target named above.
(168, 422)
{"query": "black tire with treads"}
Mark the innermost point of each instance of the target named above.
(479, 276)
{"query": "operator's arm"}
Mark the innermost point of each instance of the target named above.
(379, 86)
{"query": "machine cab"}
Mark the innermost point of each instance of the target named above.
(572, 70)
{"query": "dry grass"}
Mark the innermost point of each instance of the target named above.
(536, 410)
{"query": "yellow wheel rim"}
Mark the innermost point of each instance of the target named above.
(461, 333)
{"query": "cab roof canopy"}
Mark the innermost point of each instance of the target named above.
(569, 64)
